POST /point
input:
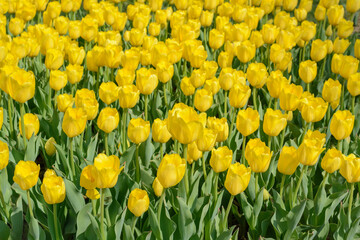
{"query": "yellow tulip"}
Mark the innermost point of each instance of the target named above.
(193, 153)
(146, 80)
(210, 68)
(290, 97)
(311, 147)
(54, 59)
(353, 84)
(331, 92)
(21, 85)
(237, 178)
(165, 71)
(300, 14)
(16, 26)
(138, 130)
(274, 122)
(108, 168)
(53, 189)
(26, 174)
(203, 100)
(275, 83)
(137, 36)
(157, 187)
(171, 170)
(289, 5)
(221, 159)
(257, 74)
(62, 25)
(206, 18)
(108, 92)
(92, 194)
(212, 85)
(335, 13)
(108, 119)
(342, 124)
(320, 13)
(257, 38)
(138, 202)
(32, 125)
(269, 33)
(357, 48)
(349, 66)
(85, 98)
(160, 132)
(313, 109)
(89, 177)
(216, 39)
(345, 28)
(308, 30)
(336, 63)
(64, 101)
(226, 78)
(239, 95)
(352, 6)
(340, 45)
(207, 140)
(74, 73)
(75, 55)
(220, 126)
(247, 121)
(186, 87)
(277, 53)
(74, 29)
(245, 51)
(332, 160)
(124, 77)
(128, 96)
(74, 122)
(349, 168)
(54, 9)
(58, 80)
(50, 148)
(288, 162)
(89, 28)
(319, 50)
(4, 155)
(258, 155)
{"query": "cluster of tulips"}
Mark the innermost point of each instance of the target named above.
(189, 119)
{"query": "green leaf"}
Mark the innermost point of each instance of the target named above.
(146, 151)
(119, 224)
(354, 229)
(82, 220)
(4, 230)
(154, 224)
(91, 150)
(186, 223)
(293, 218)
(34, 231)
(74, 196)
(17, 220)
(32, 149)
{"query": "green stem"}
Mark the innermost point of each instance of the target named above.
(304, 169)
(10, 117)
(93, 203)
(56, 222)
(255, 97)
(165, 97)
(322, 68)
(4, 205)
(102, 227)
(106, 144)
(137, 164)
(133, 225)
(146, 107)
(204, 166)
(186, 170)
(308, 87)
(29, 203)
(282, 185)
(353, 105)
(124, 129)
(339, 145)
(72, 158)
(22, 112)
(350, 200)
(233, 113)
(161, 202)
(161, 150)
(243, 150)
(342, 95)
(215, 187)
(225, 104)
(282, 138)
(269, 142)
(256, 184)
(228, 211)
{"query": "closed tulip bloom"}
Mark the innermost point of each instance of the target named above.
(89, 177)
(225, 59)
(289, 5)
(221, 159)
(137, 36)
(74, 122)
(320, 13)
(311, 147)
(216, 39)
(277, 53)
(313, 109)
(237, 178)
(269, 33)
(336, 63)
(53, 189)
(350, 168)
(184, 124)
(203, 100)
(92, 194)
(157, 187)
(247, 121)
(352, 6)
(193, 153)
(128, 96)
(239, 95)
(64, 101)
(330, 46)
(54, 59)
(353, 84)
(58, 80)
(108, 168)
(16, 26)
(26, 174)
(21, 85)
(165, 71)
(138, 130)
(329, 31)
(138, 202)
(186, 87)
(349, 66)
(198, 78)
(345, 28)
(226, 78)
(85, 98)
(335, 13)
(89, 28)
(171, 170)
(328, 3)
(62, 25)
(341, 45)
(54, 9)
(258, 155)
(220, 126)
(159, 53)
(300, 14)
(290, 97)
(239, 13)
(124, 77)
(357, 49)
(160, 132)
(207, 140)
(4, 155)
(245, 51)
(50, 148)
(308, 30)
(206, 18)
(287, 39)
(74, 29)
(274, 122)
(210, 68)
(74, 73)
(308, 71)
(91, 61)
(332, 160)
(146, 80)
(32, 125)
(108, 119)
(75, 55)
(257, 74)
(288, 162)
(275, 83)
(212, 85)
(318, 50)
(342, 124)
(331, 92)
(257, 38)
(108, 92)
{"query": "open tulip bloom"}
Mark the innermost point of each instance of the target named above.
(179, 119)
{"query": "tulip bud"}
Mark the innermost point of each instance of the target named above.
(353, 84)
(157, 187)
(124, 77)
(247, 121)
(216, 39)
(308, 71)
(108, 169)
(92, 194)
(50, 147)
(32, 125)
(237, 178)
(138, 202)
(329, 31)
(16, 26)
(64, 101)
(89, 177)
(53, 189)
(58, 79)
(160, 132)
(308, 30)
(313, 109)
(108, 119)
(138, 130)
(186, 87)
(54, 59)
(288, 162)
(342, 124)
(275, 83)
(350, 168)
(146, 80)
(336, 63)
(207, 140)
(128, 96)
(345, 28)
(220, 126)
(245, 51)
(26, 174)
(74, 122)
(74, 73)
(300, 14)
(171, 170)
(221, 159)
(320, 13)
(108, 92)
(85, 98)
(332, 160)
(89, 28)
(258, 155)
(289, 5)
(352, 6)
(331, 92)
(193, 153)
(341, 45)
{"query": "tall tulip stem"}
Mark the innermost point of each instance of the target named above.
(256, 184)
(232, 113)
(55, 222)
(282, 185)
(29, 203)
(204, 166)
(22, 112)
(10, 103)
(255, 90)
(102, 227)
(350, 200)
(4, 204)
(124, 142)
(269, 141)
(228, 211)
(146, 106)
(161, 202)
(165, 97)
(186, 177)
(353, 105)
(304, 170)
(161, 150)
(243, 150)
(225, 104)
(106, 144)
(215, 187)
(342, 95)
(72, 158)
(137, 164)
(93, 202)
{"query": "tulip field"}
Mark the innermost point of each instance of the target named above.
(179, 119)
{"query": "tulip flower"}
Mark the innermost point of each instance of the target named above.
(342, 124)
(31, 125)
(335, 13)
(318, 50)
(313, 109)
(203, 100)
(107, 121)
(160, 133)
(341, 45)
(290, 97)
(247, 121)
(138, 202)
(64, 101)
(332, 160)
(288, 162)
(85, 98)
(331, 92)
(274, 122)
(108, 92)
(220, 126)
(171, 170)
